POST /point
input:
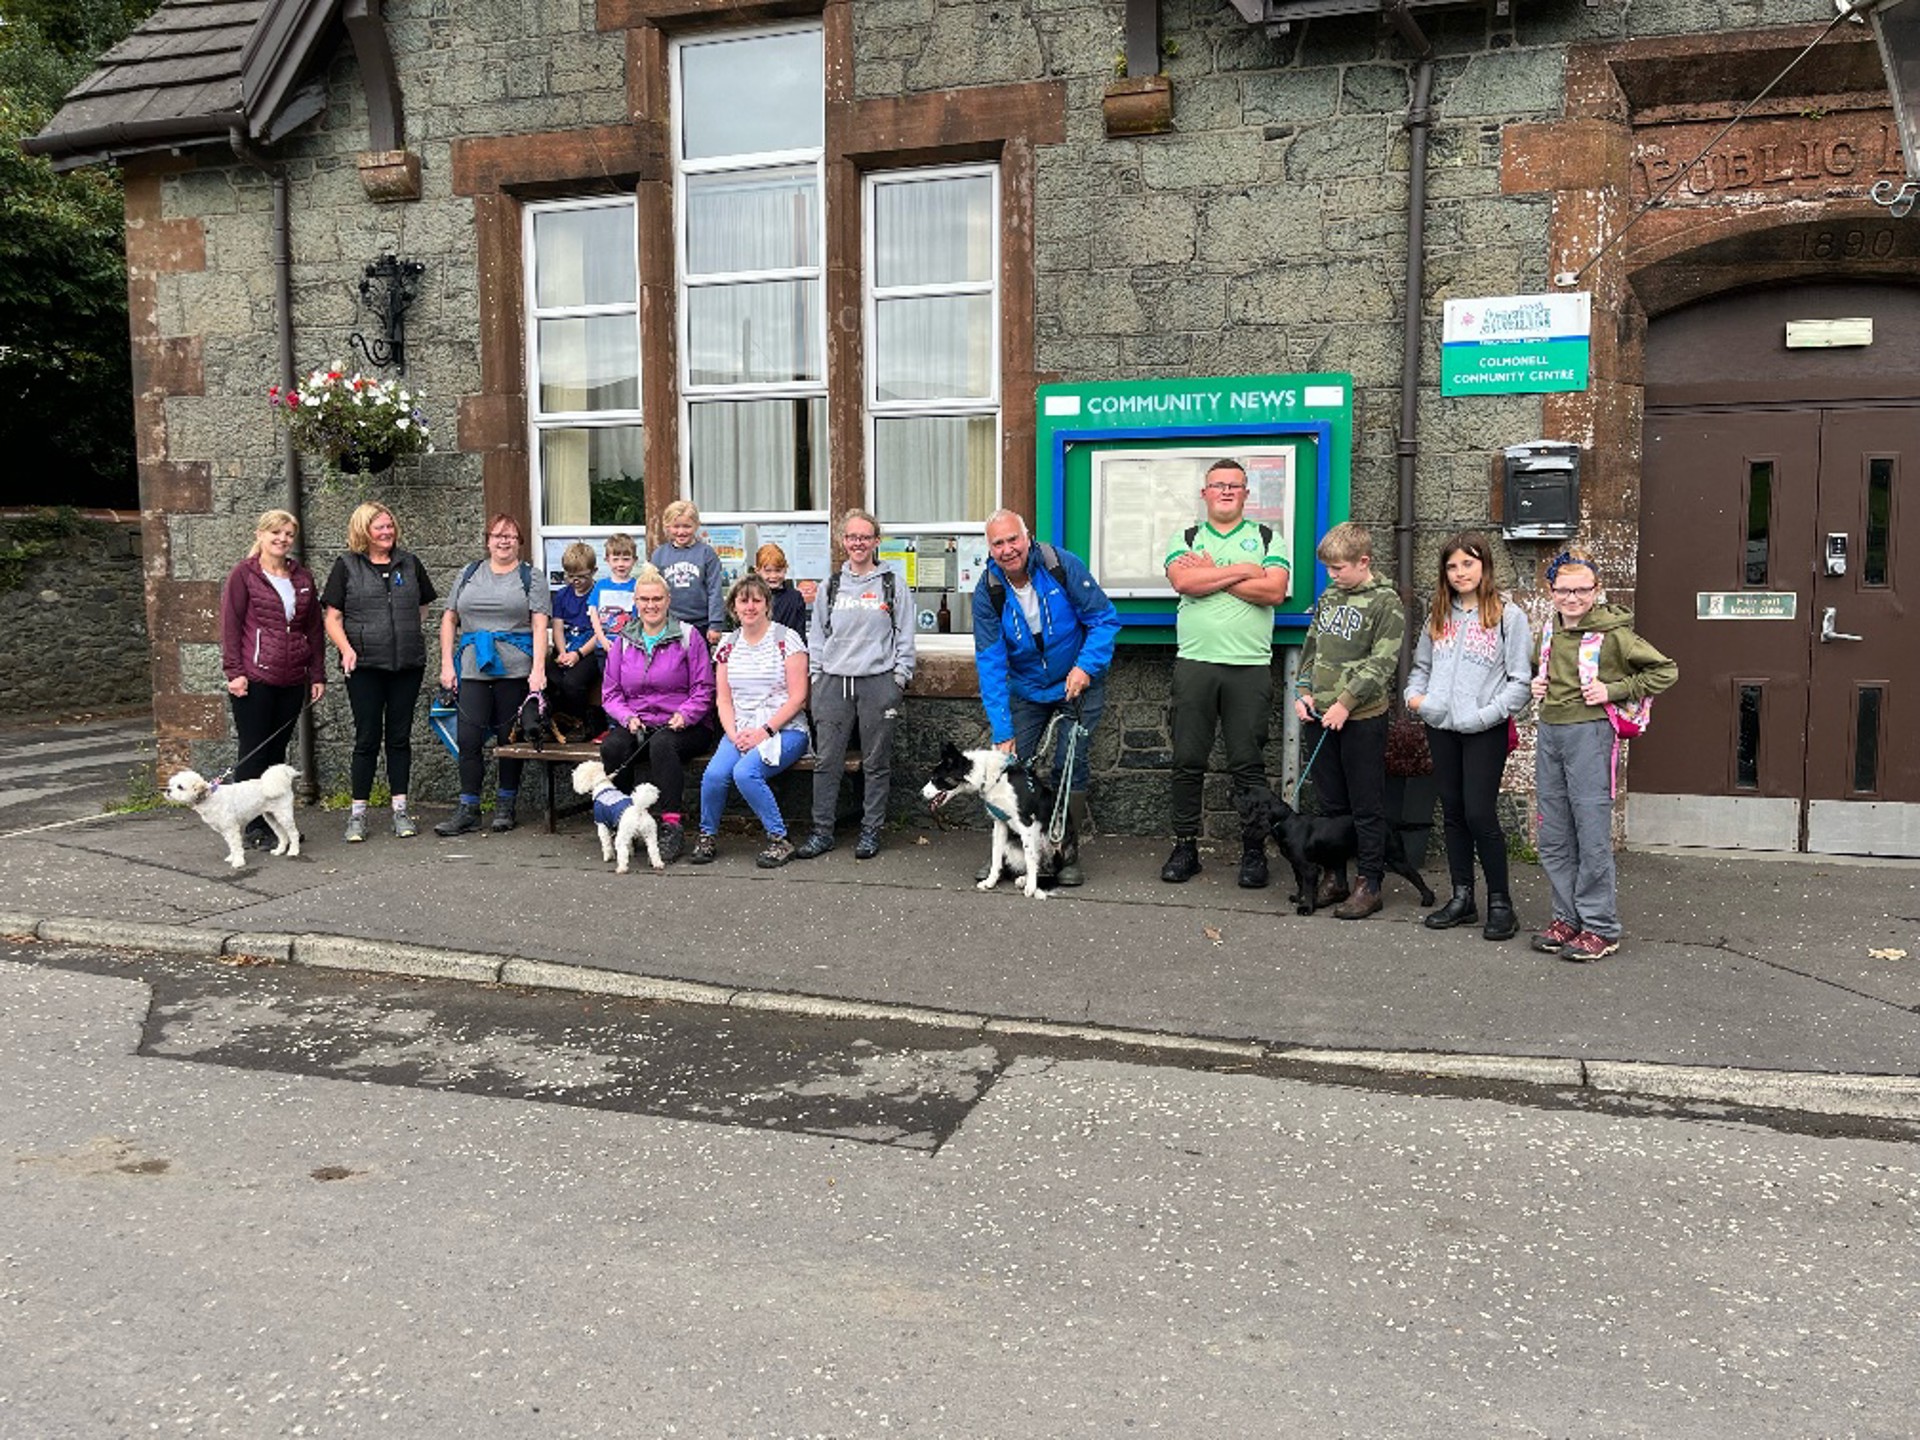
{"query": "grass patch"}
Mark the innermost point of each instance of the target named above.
(143, 793)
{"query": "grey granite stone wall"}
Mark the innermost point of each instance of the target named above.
(73, 617)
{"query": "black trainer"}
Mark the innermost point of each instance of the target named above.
(867, 846)
(1183, 864)
(673, 841)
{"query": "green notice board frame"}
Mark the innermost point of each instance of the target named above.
(1302, 423)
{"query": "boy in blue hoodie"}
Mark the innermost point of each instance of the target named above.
(1043, 639)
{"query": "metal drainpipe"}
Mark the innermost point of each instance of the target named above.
(283, 337)
(1407, 447)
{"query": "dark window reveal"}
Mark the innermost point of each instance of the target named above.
(1759, 516)
(1746, 763)
(1866, 740)
(1873, 568)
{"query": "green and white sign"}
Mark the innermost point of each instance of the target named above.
(1746, 605)
(1516, 344)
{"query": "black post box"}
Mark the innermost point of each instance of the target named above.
(1542, 491)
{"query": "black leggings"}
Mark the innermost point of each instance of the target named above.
(1467, 769)
(1350, 777)
(663, 763)
(487, 707)
(263, 719)
(383, 703)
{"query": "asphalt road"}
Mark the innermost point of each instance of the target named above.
(250, 1202)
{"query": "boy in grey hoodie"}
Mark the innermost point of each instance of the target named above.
(860, 654)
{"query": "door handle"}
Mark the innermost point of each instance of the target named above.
(1827, 632)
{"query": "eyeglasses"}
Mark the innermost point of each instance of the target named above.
(853, 539)
(1577, 592)
(504, 535)
(1223, 489)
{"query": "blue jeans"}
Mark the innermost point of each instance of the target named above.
(1030, 719)
(745, 769)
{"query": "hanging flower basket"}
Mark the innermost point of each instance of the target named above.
(359, 424)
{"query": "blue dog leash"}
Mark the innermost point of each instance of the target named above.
(1301, 778)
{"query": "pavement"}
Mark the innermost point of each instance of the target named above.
(1770, 982)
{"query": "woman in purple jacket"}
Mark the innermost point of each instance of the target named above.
(659, 689)
(270, 649)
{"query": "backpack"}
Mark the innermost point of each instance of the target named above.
(526, 580)
(1050, 559)
(1266, 536)
(833, 595)
(1630, 717)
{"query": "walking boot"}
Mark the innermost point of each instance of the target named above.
(1460, 910)
(1331, 890)
(1253, 865)
(1364, 901)
(1183, 864)
(503, 818)
(1502, 923)
(1081, 814)
(463, 821)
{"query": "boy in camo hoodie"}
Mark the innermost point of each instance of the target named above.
(1347, 670)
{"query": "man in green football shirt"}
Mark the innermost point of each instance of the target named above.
(1229, 573)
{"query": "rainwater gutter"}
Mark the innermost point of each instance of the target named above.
(1407, 447)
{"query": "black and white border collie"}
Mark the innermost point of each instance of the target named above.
(1018, 802)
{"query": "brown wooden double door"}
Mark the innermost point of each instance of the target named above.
(1788, 734)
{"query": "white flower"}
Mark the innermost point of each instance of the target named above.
(401, 423)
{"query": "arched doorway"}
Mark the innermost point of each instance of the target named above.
(1779, 560)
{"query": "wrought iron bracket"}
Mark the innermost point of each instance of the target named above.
(387, 290)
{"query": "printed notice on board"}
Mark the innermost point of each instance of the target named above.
(1144, 499)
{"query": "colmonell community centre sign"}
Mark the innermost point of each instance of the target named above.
(1515, 344)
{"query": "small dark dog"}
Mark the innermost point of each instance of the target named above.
(1313, 843)
(533, 724)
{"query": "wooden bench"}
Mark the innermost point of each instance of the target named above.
(554, 757)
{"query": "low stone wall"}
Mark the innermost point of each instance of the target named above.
(73, 615)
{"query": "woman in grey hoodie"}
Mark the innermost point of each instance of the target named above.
(860, 653)
(1470, 677)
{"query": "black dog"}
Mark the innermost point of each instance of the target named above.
(532, 725)
(1313, 843)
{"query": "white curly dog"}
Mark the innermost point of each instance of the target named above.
(228, 805)
(619, 817)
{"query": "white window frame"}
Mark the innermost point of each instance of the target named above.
(539, 421)
(873, 408)
(689, 393)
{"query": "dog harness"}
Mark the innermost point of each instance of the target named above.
(610, 804)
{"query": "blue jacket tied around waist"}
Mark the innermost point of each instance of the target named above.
(1078, 626)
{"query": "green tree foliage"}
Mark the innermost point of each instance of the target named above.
(66, 407)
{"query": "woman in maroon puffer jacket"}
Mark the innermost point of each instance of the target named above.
(270, 645)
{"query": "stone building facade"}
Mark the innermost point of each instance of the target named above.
(1259, 226)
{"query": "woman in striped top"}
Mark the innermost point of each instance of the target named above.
(760, 680)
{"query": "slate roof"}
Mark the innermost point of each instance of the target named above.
(191, 74)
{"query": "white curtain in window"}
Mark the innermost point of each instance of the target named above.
(756, 220)
(767, 332)
(758, 454)
(584, 257)
(589, 364)
(934, 348)
(933, 232)
(572, 459)
(934, 468)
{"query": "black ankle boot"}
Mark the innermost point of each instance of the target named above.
(1502, 923)
(1460, 910)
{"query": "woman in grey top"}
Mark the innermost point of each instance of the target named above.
(1469, 679)
(493, 645)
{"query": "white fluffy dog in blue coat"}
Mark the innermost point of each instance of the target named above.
(619, 817)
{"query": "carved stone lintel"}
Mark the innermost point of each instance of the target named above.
(1141, 106)
(388, 175)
